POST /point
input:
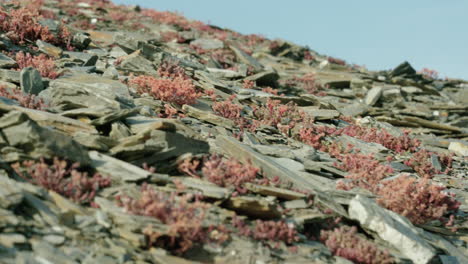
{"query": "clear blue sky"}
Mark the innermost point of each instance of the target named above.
(375, 33)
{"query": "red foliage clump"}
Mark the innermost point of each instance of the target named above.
(306, 82)
(270, 90)
(169, 36)
(221, 171)
(45, 65)
(178, 90)
(346, 243)
(63, 178)
(228, 172)
(20, 26)
(183, 216)
(314, 135)
(227, 109)
(282, 116)
(381, 136)
(430, 74)
(267, 230)
(172, 70)
(418, 200)
(25, 100)
(248, 84)
(363, 170)
(421, 163)
(336, 61)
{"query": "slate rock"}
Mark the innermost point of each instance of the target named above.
(393, 228)
(87, 90)
(208, 44)
(31, 81)
(403, 69)
(7, 62)
(81, 40)
(36, 141)
(373, 95)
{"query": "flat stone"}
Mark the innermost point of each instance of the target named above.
(265, 78)
(7, 62)
(117, 169)
(403, 69)
(40, 142)
(393, 228)
(137, 64)
(49, 49)
(459, 148)
(10, 76)
(247, 59)
(31, 81)
(208, 44)
(373, 95)
(87, 90)
(10, 193)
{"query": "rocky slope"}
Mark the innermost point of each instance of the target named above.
(130, 135)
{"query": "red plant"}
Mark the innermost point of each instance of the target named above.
(172, 70)
(306, 82)
(228, 172)
(418, 200)
(169, 36)
(430, 74)
(178, 90)
(381, 136)
(314, 135)
(183, 216)
(20, 26)
(345, 242)
(267, 230)
(227, 109)
(270, 90)
(63, 178)
(421, 163)
(221, 171)
(248, 84)
(282, 116)
(363, 171)
(25, 100)
(45, 65)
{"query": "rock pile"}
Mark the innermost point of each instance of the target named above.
(130, 135)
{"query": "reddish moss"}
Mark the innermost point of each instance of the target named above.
(346, 243)
(182, 214)
(418, 200)
(63, 178)
(44, 64)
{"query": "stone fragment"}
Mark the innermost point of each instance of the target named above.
(31, 81)
(373, 95)
(10, 193)
(81, 40)
(254, 207)
(118, 170)
(403, 69)
(86, 90)
(10, 76)
(7, 62)
(24, 133)
(247, 59)
(393, 228)
(49, 49)
(208, 44)
(460, 148)
(136, 63)
(265, 78)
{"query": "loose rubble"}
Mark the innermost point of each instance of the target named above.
(130, 135)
